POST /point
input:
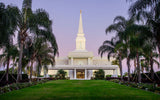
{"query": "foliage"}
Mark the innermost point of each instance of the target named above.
(108, 75)
(125, 74)
(115, 80)
(61, 74)
(99, 75)
(12, 78)
(17, 86)
(145, 86)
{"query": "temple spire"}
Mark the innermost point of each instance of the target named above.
(80, 40)
(80, 30)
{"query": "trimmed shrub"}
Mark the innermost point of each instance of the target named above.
(99, 75)
(108, 76)
(115, 80)
(61, 74)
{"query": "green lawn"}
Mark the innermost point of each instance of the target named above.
(80, 89)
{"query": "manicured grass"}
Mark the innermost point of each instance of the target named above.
(81, 90)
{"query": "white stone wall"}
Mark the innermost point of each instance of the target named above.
(52, 72)
(82, 61)
(108, 72)
(79, 61)
(101, 61)
(76, 61)
(61, 61)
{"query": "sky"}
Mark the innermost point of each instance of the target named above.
(97, 15)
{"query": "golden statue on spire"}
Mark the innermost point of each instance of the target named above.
(80, 11)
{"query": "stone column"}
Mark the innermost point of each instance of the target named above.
(85, 74)
(68, 73)
(115, 72)
(71, 74)
(89, 61)
(75, 75)
(71, 61)
(91, 73)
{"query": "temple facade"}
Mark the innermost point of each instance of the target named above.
(80, 63)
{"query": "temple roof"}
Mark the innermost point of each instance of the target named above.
(80, 54)
(91, 67)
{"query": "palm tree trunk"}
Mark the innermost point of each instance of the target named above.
(7, 71)
(19, 73)
(13, 69)
(120, 65)
(39, 69)
(40, 66)
(135, 64)
(159, 52)
(13, 66)
(128, 65)
(151, 64)
(138, 68)
(31, 69)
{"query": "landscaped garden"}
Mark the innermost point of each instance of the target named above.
(80, 89)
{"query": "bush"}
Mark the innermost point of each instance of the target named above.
(68, 78)
(16, 86)
(108, 76)
(11, 79)
(61, 74)
(133, 85)
(40, 76)
(99, 74)
(115, 80)
(51, 76)
(5, 89)
(92, 78)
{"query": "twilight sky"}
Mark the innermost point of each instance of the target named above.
(97, 15)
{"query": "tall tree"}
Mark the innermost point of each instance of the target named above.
(41, 53)
(150, 11)
(138, 35)
(150, 55)
(8, 16)
(113, 49)
(119, 25)
(8, 55)
(37, 23)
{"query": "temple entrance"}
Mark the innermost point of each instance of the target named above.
(80, 73)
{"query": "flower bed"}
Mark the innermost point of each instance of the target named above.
(17, 86)
(145, 86)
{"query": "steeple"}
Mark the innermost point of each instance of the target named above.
(80, 30)
(80, 40)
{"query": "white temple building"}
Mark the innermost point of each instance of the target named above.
(80, 63)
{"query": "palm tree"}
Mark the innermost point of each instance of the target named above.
(41, 53)
(119, 25)
(149, 53)
(141, 5)
(37, 23)
(138, 35)
(9, 53)
(7, 24)
(44, 57)
(113, 49)
(7, 27)
(150, 11)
